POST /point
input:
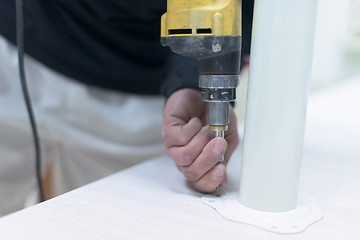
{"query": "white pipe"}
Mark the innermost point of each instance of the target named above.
(280, 62)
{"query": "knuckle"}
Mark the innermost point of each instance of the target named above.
(236, 139)
(205, 187)
(174, 136)
(209, 187)
(190, 175)
(212, 162)
(182, 140)
(184, 160)
(208, 184)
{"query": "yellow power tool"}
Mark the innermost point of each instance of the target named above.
(210, 31)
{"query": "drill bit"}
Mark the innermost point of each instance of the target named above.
(219, 133)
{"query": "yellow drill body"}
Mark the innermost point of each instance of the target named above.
(222, 17)
(209, 31)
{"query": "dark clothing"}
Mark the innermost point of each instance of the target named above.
(111, 44)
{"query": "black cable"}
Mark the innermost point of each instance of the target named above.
(20, 45)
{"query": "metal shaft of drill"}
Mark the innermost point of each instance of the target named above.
(219, 134)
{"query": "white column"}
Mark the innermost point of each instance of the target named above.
(281, 58)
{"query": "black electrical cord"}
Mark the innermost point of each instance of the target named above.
(20, 45)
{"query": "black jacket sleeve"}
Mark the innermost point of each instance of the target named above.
(109, 44)
(182, 73)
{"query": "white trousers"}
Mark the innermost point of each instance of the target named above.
(86, 132)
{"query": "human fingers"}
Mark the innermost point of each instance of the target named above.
(182, 118)
(177, 133)
(211, 180)
(184, 155)
(206, 160)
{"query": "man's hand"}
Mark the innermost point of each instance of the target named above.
(188, 140)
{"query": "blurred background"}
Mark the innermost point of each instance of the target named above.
(336, 48)
(337, 42)
(336, 59)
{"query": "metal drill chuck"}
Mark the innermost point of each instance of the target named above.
(219, 81)
(218, 91)
(218, 88)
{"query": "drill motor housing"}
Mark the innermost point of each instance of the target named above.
(209, 31)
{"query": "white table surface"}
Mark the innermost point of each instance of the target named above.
(152, 200)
